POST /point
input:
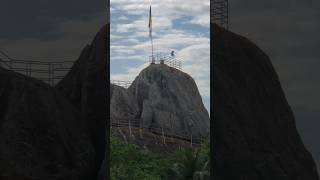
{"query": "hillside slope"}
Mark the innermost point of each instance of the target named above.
(254, 131)
(163, 99)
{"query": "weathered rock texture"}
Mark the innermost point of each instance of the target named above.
(41, 133)
(122, 105)
(86, 87)
(163, 97)
(254, 132)
(57, 133)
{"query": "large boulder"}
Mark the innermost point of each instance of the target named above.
(169, 99)
(122, 105)
(254, 131)
(86, 86)
(41, 133)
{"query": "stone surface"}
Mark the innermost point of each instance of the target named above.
(57, 133)
(169, 98)
(86, 86)
(122, 105)
(254, 132)
(41, 133)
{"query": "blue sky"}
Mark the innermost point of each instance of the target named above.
(180, 25)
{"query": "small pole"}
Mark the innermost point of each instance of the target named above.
(52, 74)
(130, 127)
(163, 137)
(191, 140)
(140, 128)
(49, 74)
(26, 69)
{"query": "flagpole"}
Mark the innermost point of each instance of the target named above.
(151, 45)
(150, 35)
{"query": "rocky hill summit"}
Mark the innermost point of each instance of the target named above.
(162, 98)
(254, 131)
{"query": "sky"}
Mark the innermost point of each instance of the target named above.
(49, 30)
(288, 31)
(182, 26)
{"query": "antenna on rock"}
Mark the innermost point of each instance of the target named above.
(220, 13)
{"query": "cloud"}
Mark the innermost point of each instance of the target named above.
(71, 37)
(175, 26)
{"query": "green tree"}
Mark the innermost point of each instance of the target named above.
(191, 164)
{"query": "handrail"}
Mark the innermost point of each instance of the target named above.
(169, 60)
(167, 132)
(37, 69)
(33, 61)
(124, 84)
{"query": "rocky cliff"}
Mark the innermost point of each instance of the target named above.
(86, 87)
(41, 133)
(123, 106)
(254, 132)
(57, 133)
(163, 97)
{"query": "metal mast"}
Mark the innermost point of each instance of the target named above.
(150, 35)
(220, 12)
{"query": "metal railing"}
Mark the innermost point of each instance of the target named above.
(50, 72)
(164, 132)
(161, 58)
(124, 84)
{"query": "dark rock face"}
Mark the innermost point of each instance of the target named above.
(254, 133)
(41, 133)
(86, 87)
(57, 133)
(122, 105)
(163, 97)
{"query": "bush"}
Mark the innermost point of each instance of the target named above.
(130, 162)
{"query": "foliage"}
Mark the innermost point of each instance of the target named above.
(191, 164)
(130, 162)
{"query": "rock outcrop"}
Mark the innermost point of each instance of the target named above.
(41, 133)
(122, 105)
(60, 132)
(163, 99)
(254, 132)
(86, 87)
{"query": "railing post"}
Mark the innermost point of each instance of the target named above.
(130, 127)
(163, 137)
(191, 140)
(52, 74)
(140, 128)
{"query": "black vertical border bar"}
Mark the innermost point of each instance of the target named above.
(212, 162)
(108, 95)
(108, 92)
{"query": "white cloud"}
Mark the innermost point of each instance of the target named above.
(131, 44)
(73, 36)
(130, 74)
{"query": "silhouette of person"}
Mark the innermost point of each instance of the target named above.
(172, 53)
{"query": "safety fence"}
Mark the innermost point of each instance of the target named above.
(50, 72)
(125, 84)
(162, 131)
(162, 58)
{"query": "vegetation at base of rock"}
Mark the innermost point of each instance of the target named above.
(129, 161)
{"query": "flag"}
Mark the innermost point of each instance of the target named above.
(150, 23)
